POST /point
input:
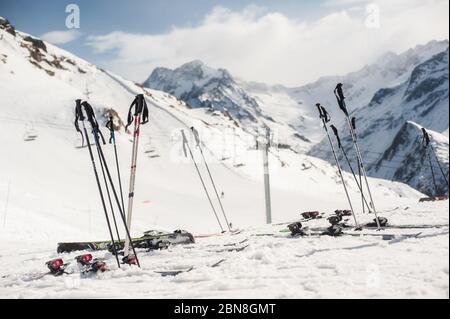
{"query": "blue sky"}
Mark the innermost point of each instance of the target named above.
(278, 41)
(134, 16)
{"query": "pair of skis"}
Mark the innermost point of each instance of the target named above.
(187, 148)
(84, 112)
(325, 117)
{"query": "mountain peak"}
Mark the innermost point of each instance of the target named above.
(193, 64)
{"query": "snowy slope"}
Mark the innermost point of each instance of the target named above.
(270, 267)
(48, 193)
(389, 142)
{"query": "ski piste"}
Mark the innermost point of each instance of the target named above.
(151, 240)
(140, 116)
(339, 93)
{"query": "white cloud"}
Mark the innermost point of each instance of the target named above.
(269, 47)
(61, 37)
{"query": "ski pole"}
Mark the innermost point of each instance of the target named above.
(79, 116)
(359, 170)
(108, 193)
(96, 132)
(186, 144)
(197, 139)
(112, 138)
(336, 133)
(429, 147)
(439, 165)
(140, 110)
(324, 116)
(341, 102)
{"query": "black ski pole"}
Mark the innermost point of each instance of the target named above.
(186, 144)
(79, 116)
(341, 102)
(108, 195)
(336, 133)
(324, 116)
(197, 139)
(112, 139)
(359, 169)
(427, 142)
(96, 130)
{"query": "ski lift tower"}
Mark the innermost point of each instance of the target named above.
(264, 141)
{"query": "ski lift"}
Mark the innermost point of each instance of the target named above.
(30, 133)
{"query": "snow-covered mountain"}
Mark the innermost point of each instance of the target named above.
(290, 112)
(407, 160)
(389, 138)
(201, 86)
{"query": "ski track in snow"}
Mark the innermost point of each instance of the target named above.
(270, 267)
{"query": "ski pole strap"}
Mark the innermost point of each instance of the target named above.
(140, 107)
(336, 133)
(323, 113)
(426, 137)
(110, 126)
(79, 117)
(92, 120)
(196, 136)
(339, 93)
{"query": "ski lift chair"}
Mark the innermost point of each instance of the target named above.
(30, 133)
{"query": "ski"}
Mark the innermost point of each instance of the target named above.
(148, 241)
(338, 231)
(173, 273)
(232, 233)
(90, 265)
(57, 267)
(176, 272)
(230, 250)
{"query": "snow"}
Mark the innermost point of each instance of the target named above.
(48, 195)
(271, 267)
